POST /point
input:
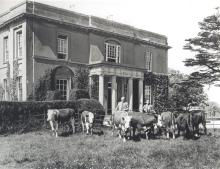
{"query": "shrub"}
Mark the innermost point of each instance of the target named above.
(76, 94)
(53, 95)
(93, 106)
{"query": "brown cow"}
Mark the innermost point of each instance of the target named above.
(143, 122)
(121, 121)
(198, 117)
(167, 120)
(54, 116)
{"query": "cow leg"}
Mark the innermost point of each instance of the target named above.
(204, 127)
(197, 131)
(52, 126)
(73, 125)
(83, 127)
(119, 133)
(134, 129)
(87, 128)
(147, 135)
(174, 134)
(168, 133)
(56, 130)
(113, 129)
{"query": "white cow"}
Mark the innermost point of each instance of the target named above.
(87, 119)
(54, 116)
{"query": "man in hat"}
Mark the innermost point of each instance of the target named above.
(122, 105)
(147, 107)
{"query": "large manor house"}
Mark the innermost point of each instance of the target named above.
(42, 37)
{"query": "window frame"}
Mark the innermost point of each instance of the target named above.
(61, 51)
(18, 44)
(5, 49)
(5, 86)
(148, 93)
(117, 52)
(148, 60)
(19, 88)
(64, 97)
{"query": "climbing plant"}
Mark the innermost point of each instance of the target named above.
(11, 87)
(159, 85)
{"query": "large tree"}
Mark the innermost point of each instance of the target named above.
(206, 46)
(184, 91)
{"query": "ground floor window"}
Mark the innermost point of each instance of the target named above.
(62, 85)
(147, 93)
(19, 88)
(5, 92)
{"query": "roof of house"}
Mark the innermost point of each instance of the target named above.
(35, 9)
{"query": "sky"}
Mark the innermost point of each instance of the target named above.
(176, 19)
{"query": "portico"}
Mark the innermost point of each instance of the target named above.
(115, 82)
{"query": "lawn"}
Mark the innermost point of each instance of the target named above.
(39, 150)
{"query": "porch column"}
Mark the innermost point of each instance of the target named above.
(114, 93)
(101, 89)
(140, 89)
(130, 92)
(90, 85)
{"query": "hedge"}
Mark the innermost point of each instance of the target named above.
(20, 117)
(91, 105)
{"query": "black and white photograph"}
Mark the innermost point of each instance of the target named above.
(109, 84)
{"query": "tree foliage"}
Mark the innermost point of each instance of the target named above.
(206, 46)
(185, 92)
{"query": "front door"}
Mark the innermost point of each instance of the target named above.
(135, 95)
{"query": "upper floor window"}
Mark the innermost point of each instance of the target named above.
(5, 49)
(148, 60)
(112, 52)
(62, 47)
(18, 45)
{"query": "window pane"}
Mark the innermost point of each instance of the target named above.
(112, 52)
(62, 46)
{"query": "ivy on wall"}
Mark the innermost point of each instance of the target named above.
(46, 83)
(159, 85)
(95, 87)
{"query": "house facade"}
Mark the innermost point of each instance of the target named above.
(35, 37)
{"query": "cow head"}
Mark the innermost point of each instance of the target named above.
(51, 115)
(126, 123)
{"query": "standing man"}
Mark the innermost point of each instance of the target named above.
(122, 105)
(147, 107)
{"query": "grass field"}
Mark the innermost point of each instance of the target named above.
(40, 150)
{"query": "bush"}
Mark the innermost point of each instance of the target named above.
(53, 95)
(91, 105)
(76, 94)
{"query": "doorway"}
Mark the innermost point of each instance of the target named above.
(135, 95)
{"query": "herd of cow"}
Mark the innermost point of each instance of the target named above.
(127, 123)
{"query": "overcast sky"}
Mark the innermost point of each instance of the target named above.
(177, 19)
